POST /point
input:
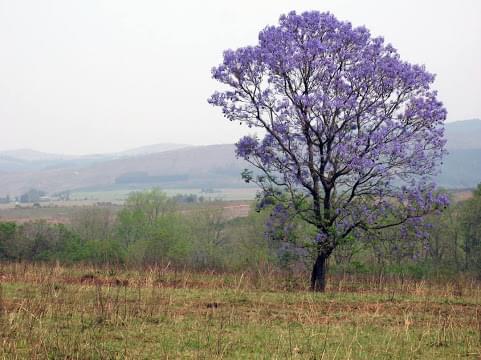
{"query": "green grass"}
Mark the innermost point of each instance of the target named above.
(50, 312)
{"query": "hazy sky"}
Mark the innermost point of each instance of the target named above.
(90, 76)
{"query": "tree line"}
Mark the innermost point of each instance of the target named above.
(151, 229)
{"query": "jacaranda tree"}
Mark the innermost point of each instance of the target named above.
(349, 131)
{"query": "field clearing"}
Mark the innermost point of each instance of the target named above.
(223, 194)
(236, 201)
(53, 213)
(63, 212)
(158, 313)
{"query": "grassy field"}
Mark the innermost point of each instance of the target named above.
(60, 312)
(63, 212)
(51, 213)
(119, 195)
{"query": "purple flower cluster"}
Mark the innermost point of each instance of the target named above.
(279, 225)
(346, 122)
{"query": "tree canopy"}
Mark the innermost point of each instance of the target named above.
(350, 131)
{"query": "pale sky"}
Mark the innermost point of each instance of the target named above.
(94, 76)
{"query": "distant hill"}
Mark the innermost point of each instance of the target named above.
(152, 149)
(26, 160)
(462, 167)
(201, 166)
(464, 134)
(9, 164)
(31, 155)
(183, 166)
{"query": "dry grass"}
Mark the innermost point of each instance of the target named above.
(92, 313)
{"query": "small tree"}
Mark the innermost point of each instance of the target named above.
(32, 195)
(141, 212)
(471, 229)
(350, 131)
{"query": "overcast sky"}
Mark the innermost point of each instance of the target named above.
(93, 76)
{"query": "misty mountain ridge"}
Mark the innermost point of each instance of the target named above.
(184, 166)
(464, 134)
(462, 166)
(32, 155)
(25, 160)
(193, 167)
(152, 149)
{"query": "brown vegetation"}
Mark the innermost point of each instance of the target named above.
(159, 312)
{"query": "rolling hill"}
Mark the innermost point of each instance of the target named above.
(462, 166)
(463, 135)
(27, 160)
(202, 166)
(183, 166)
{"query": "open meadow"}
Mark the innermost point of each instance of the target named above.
(240, 180)
(84, 312)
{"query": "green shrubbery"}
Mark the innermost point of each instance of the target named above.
(151, 229)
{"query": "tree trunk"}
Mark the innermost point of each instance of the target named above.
(318, 276)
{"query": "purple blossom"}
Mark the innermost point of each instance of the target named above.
(246, 146)
(349, 125)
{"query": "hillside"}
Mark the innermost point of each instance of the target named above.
(464, 135)
(462, 166)
(203, 166)
(182, 166)
(151, 149)
(461, 169)
(27, 160)
(32, 155)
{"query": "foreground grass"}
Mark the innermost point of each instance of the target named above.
(85, 313)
